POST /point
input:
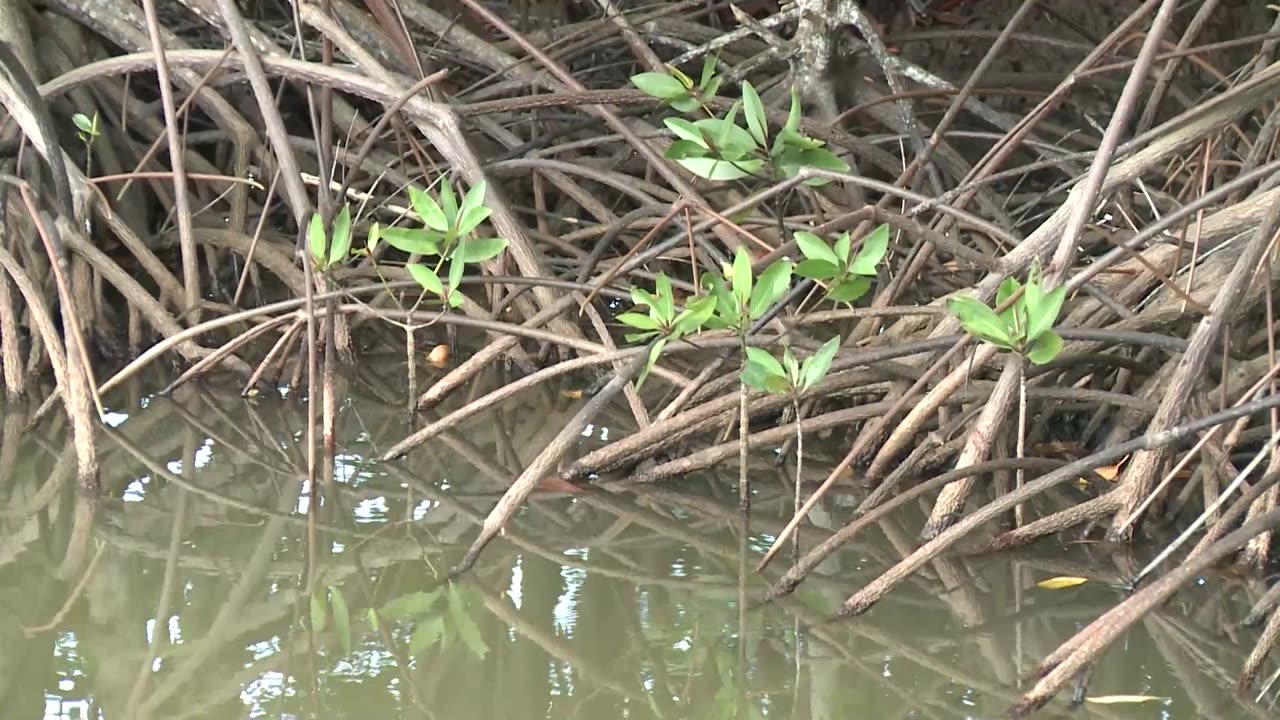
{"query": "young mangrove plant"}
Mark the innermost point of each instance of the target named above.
(718, 148)
(764, 372)
(1022, 323)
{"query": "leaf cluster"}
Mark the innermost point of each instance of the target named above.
(847, 276)
(718, 148)
(1025, 327)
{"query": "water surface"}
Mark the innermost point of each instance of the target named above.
(184, 592)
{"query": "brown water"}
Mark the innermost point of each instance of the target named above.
(183, 596)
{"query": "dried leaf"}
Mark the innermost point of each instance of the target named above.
(1058, 583)
(1109, 472)
(1124, 699)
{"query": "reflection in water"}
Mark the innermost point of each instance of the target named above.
(592, 605)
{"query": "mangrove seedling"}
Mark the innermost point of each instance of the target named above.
(1025, 327)
(846, 276)
(661, 324)
(330, 250)
(446, 234)
(677, 90)
(720, 149)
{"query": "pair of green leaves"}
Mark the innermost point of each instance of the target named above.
(676, 89)
(764, 372)
(720, 149)
(847, 276)
(322, 601)
(661, 320)
(446, 232)
(1025, 327)
(330, 249)
(87, 126)
(433, 626)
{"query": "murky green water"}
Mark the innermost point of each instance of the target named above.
(183, 596)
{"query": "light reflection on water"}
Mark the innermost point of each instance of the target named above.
(589, 606)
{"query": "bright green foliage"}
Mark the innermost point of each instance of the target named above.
(447, 234)
(763, 371)
(1025, 327)
(746, 298)
(432, 625)
(661, 321)
(676, 89)
(847, 276)
(330, 251)
(720, 149)
(88, 128)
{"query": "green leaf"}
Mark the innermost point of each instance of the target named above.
(666, 300)
(412, 241)
(319, 611)
(708, 70)
(659, 85)
(753, 110)
(425, 634)
(473, 210)
(815, 248)
(1043, 309)
(341, 244)
(771, 286)
(654, 353)
(793, 367)
(742, 279)
(643, 297)
(843, 244)
(449, 204)
(641, 337)
(849, 290)
(756, 377)
(709, 90)
(793, 117)
(84, 124)
(341, 618)
(426, 277)
(1045, 348)
(980, 320)
(712, 168)
(1015, 315)
(686, 104)
(455, 299)
(817, 270)
(874, 247)
(457, 264)
(466, 627)
(316, 238)
(639, 321)
(482, 249)
(375, 235)
(816, 365)
(822, 159)
(686, 130)
(412, 605)
(695, 315)
(767, 362)
(684, 150)
(427, 209)
(732, 141)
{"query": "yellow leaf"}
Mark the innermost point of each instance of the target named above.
(1061, 582)
(1123, 699)
(571, 394)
